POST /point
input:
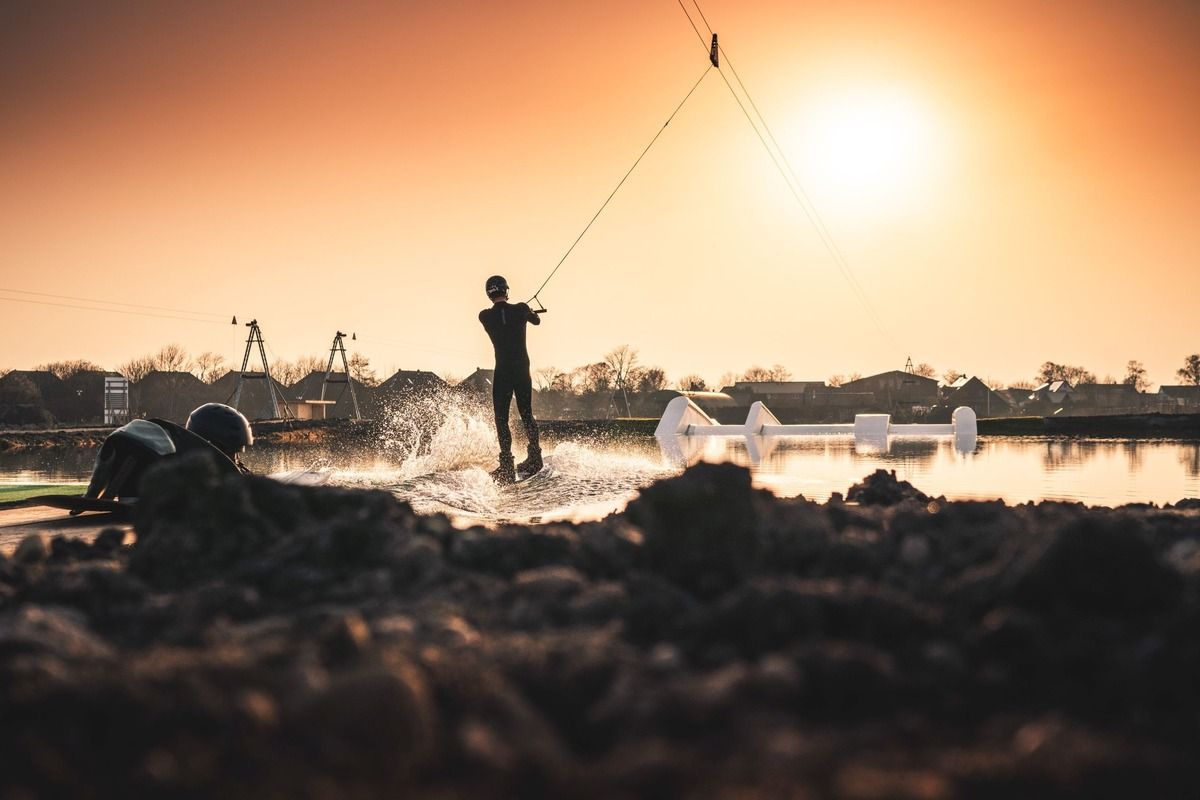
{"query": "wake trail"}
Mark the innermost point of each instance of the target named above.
(443, 450)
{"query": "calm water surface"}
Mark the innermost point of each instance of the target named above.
(590, 479)
(1016, 470)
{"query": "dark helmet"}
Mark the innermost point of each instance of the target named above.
(496, 286)
(222, 425)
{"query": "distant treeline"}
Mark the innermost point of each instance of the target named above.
(167, 382)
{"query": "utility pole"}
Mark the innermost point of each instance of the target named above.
(339, 347)
(255, 339)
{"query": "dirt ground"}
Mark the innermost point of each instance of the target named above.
(17, 524)
(251, 639)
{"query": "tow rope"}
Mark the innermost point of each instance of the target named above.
(712, 63)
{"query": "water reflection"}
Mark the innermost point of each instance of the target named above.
(1133, 455)
(1061, 453)
(1190, 459)
(47, 465)
(683, 451)
(1093, 471)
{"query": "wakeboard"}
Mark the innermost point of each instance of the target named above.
(73, 503)
(77, 504)
(520, 477)
(302, 477)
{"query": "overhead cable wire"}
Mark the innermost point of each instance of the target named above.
(790, 177)
(129, 311)
(810, 213)
(622, 181)
(110, 310)
(703, 18)
(113, 303)
(818, 221)
(414, 345)
(792, 180)
(699, 35)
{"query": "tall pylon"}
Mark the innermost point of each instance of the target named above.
(338, 347)
(908, 366)
(256, 339)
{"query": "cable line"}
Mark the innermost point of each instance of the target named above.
(818, 221)
(113, 303)
(109, 310)
(416, 346)
(622, 181)
(792, 180)
(702, 17)
(697, 30)
(844, 268)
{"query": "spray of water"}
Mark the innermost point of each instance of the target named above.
(439, 448)
(431, 436)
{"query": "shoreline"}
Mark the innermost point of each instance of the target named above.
(1179, 427)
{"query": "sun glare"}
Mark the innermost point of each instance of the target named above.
(870, 150)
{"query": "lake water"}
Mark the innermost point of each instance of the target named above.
(1016, 470)
(588, 479)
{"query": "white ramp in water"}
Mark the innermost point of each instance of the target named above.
(682, 421)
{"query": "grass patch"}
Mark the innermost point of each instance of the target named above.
(22, 491)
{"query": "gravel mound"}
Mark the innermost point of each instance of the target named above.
(263, 640)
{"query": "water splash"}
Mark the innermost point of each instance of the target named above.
(440, 449)
(437, 432)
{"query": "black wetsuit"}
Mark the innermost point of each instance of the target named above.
(505, 326)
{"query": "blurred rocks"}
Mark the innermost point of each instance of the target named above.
(881, 488)
(48, 631)
(700, 528)
(32, 549)
(256, 639)
(192, 525)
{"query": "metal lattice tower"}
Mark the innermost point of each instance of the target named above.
(338, 347)
(256, 339)
(908, 366)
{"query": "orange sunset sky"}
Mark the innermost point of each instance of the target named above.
(1010, 182)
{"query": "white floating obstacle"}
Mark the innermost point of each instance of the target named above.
(683, 418)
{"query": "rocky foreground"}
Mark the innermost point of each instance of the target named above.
(262, 640)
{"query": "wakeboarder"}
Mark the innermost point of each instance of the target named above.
(505, 325)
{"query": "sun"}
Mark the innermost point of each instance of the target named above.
(870, 150)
